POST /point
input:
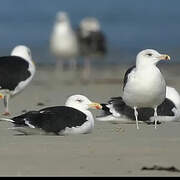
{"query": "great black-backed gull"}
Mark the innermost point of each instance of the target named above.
(63, 41)
(92, 42)
(73, 118)
(144, 85)
(117, 111)
(16, 72)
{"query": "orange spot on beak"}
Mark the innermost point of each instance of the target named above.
(95, 106)
(164, 57)
(98, 107)
(1, 96)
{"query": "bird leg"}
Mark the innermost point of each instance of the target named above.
(73, 65)
(59, 68)
(6, 105)
(87, 69)
(136, 116)
(155, 116)
(59, 65)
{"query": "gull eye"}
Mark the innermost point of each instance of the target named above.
(149, 54)
(79, 100)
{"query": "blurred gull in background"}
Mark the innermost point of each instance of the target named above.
(92, 42)
(63, 41)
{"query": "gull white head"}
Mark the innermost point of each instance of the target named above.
(81, 102)
(62, 23)
(62, 17)
(89, 24)
(150, 57)
(22, 51)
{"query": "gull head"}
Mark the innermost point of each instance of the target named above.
(22, 51)
(150, 56)
(62, 17)
(88, 25)
(81, 102)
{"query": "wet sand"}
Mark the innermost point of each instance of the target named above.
(110, 150)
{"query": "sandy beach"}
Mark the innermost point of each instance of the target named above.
(110, 150)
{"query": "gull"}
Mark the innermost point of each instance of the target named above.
(92, 42)
(144, 85)
(16, 72)
(63, 41)
(72, 118)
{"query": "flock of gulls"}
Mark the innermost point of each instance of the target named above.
(146, 97)
(87, 40)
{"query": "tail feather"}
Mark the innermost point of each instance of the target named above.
(6, 119)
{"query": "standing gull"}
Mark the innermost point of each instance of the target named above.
(16, 72)
(117, 111)
(63, 41)
(144, 85)
(92, 42)
(73, 118)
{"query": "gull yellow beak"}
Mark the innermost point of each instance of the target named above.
(95, 105)
(33, 62)
(1, 96)
(164, 57)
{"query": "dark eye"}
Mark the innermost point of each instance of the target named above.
(149, 54)
(79, 100)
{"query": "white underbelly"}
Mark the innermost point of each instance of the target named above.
(145, 91)
(65, 47)
(84, 129)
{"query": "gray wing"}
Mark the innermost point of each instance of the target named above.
(127, 74)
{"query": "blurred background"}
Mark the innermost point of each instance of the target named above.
(129, 26)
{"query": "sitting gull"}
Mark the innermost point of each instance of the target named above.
(117, 111)
(16, 72)
(144, 85)
(73, 118)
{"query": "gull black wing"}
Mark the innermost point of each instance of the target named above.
(127, 74)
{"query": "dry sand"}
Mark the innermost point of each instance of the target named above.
(110, 150)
